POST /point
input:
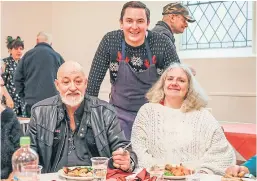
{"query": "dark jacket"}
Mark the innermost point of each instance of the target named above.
(36, 72)
(106, 129)
(163, 28)
(10, 140)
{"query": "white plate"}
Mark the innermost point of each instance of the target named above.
(171, 177)
(62, 174)
(175, 177)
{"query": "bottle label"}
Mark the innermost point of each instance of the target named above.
(15, 178)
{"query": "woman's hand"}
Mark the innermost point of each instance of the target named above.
(9, 102)
(237, 171)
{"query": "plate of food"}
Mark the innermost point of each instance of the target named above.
(77, 173)
(228, 177)
(176, 172)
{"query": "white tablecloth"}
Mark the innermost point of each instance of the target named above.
(55, 176)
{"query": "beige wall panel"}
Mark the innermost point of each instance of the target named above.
(25, 19)
(233, 109)
(231, 84)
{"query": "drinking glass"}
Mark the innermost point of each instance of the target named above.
(99, 165)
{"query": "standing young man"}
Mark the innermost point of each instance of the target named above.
(136, 57)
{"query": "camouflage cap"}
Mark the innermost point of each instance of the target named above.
(177, 8)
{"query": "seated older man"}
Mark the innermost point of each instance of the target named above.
(70, 128)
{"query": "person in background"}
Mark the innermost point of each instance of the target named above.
(9, 65)
(174, 21)
(135, 57)
(10, 137)
(174, 127)
(36, 72)
(240, 170)
(6, 98)
(71, 127)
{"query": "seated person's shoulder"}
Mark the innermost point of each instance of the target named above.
(48, 102)
(150, 107)
(206, 117)
(99, 104)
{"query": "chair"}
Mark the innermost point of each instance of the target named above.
(24, 123)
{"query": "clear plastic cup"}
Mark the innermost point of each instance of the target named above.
(99, 165)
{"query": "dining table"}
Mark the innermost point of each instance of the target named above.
(57, 177)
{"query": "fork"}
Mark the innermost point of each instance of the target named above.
(248, 175)
(124, 149)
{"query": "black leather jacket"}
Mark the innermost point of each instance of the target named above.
(46, 114)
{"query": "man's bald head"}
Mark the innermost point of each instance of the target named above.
(44, 37)
(71, 83)
(69, 67)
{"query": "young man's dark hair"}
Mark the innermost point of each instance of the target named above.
(135, 4)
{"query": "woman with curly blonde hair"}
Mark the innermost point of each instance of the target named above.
(175, 127)
(195, 97)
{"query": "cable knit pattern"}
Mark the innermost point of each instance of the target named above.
(164, 135)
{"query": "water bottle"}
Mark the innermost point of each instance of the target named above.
(24, 158)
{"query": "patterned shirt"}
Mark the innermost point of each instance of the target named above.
(108, 55)
(8, 75)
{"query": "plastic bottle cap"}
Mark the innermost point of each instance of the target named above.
(24, 140)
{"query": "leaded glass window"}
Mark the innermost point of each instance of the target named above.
(219, 24)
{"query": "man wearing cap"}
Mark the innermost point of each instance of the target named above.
(175, 18)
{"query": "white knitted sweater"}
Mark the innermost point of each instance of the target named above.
(164, 135)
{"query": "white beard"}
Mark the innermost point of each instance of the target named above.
(72, 101)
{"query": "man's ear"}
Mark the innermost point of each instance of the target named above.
(172, 17)
(56, 83)
(86, 81)
(121, 25)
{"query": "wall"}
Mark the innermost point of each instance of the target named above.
(22, 19)
(231, 85)
(78, 27)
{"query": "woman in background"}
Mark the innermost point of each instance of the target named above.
(174, 127)
(9, 64)
(10, 136)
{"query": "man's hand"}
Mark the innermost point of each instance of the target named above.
(237, 171)
(121, 159)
